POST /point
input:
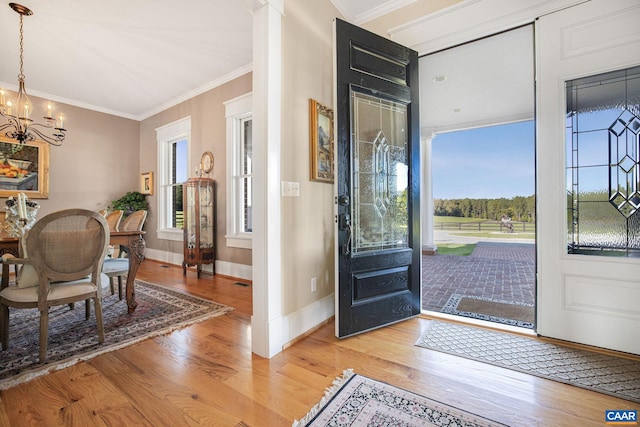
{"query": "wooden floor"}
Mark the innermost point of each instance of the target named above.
(206, 375)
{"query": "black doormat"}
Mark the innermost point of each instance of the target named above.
(505, 312)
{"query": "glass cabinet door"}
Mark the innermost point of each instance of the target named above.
(206, 215)
(190, 216)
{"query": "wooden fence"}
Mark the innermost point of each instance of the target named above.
(488, 226)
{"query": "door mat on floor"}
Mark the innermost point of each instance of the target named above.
(603, 373)
(355, 400)
(505, 312)
(73, 339)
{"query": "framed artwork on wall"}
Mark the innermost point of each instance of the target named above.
(146, 183)
(24, 168)
(321, 141)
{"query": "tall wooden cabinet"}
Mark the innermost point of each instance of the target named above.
(199, 224)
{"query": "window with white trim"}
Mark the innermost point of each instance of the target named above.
(173, 165)
(239, 114)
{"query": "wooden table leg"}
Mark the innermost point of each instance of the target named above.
(135, 248)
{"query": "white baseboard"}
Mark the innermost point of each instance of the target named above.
(305, 319)
(240, 271)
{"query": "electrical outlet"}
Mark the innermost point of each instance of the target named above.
(314, 286)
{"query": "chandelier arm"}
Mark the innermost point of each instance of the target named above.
(46, 126)
(56, 139)
(12, 124)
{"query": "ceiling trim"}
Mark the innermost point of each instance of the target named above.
(494, 121)
(383, 9)
(470, 20)
(197, 91)
(339, 4)
(369, 14)
(160, 108)
(72, 102)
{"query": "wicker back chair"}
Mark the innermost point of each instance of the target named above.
(113, 219)
(119, 266)
(66, 249)
(133, 222)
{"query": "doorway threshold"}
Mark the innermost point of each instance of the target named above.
(476, 322)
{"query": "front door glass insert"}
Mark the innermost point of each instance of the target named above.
(603, 164)
(380, 174)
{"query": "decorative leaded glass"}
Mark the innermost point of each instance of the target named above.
(380, 174)
(603, 164)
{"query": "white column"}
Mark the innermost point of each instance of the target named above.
(266, 323)
(426, 193)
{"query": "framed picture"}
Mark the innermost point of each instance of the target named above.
(146, 183)
(321, 133)
(24, 168)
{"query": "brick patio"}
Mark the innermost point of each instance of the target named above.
(501, 270)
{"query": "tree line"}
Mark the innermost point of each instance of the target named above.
(519, 208)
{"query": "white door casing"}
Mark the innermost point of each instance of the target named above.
(581, 298)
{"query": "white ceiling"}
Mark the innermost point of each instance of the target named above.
(128, 58)
(136, 58)
(488, 82)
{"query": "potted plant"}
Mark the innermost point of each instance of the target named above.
(131, 202)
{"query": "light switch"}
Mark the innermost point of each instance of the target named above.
(290, 189)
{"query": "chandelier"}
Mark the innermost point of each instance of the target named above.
(19, 125)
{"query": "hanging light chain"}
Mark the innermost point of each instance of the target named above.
(21, 75)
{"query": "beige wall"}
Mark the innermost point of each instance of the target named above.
(307, 221)
(97, 163)
(208, 133)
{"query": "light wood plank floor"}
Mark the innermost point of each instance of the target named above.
(206, 375)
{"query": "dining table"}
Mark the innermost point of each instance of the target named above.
(131, 242)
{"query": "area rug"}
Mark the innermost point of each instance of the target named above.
(73, 339)
(355, 400)
(603, 373)
(498, 311)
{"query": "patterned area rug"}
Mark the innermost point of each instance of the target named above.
(505, 312)
(73, 339)
(608, 374)
(355, 400)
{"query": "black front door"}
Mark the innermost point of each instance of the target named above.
(377, 173)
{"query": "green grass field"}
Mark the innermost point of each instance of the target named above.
(459, 249)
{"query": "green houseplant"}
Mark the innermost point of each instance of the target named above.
(131, 202)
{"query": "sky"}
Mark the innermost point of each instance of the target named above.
(484, 163)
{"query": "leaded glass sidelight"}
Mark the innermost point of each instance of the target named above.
(380, 174)
(603, 164)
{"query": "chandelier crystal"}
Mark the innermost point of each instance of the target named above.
(18, 112)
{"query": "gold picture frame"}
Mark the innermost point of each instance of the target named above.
(146, 183)
(15, 159)
(321, 142)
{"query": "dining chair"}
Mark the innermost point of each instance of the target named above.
(113, 219)
(118, 266)
(66, 249)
